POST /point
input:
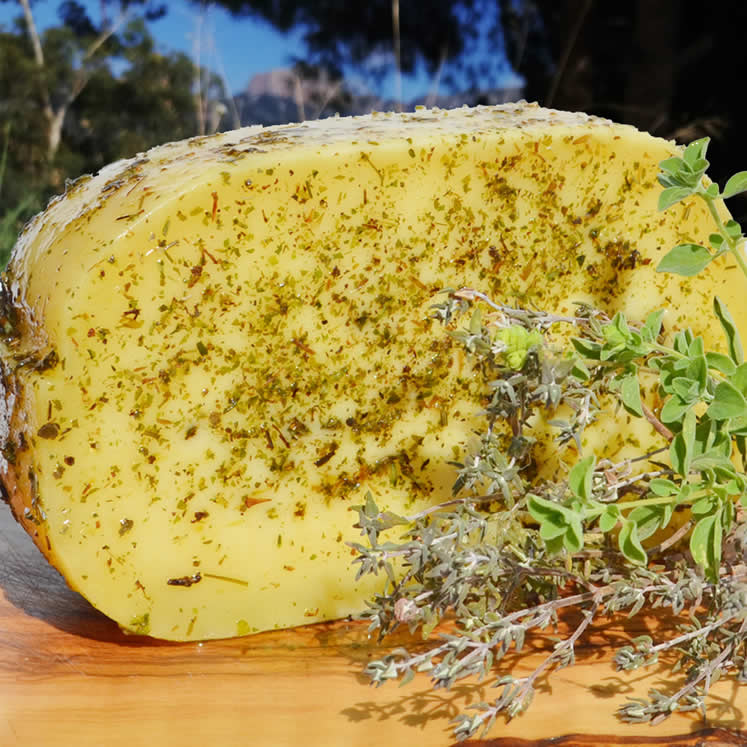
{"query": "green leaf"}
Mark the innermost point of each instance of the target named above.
(689, 423)
(673, 195)
(699, 166)
(739, 379)
(721, 362)
(696, 151)
(617, 333)
(587, 348)
(705, 544)
(712, 189)
(608, 520)
(630, 543)
(696, 349)
(679, 456)
(742, 446)
(630, 393)
(651, 329)
(668, 180)
(685, 388)
(716, 547)
(554, 546)
(735, 185)
(682, 341)
(650, 518)
(701, 538)
(540, 508)
(552, 517)
(673, 410)
(553, 527)
(574, 536)
(661, 487)
(579, 478)
(686, 260)
(710, 460)
(672, 165)
(580, 371)
(387, 520)
(733, 229)
(730, 330)
(703, 506)
(728, 402)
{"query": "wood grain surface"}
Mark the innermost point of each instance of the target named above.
(68, 676)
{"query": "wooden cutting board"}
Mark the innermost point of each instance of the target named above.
(68, 676)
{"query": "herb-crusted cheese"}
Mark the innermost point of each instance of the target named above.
(218, 347)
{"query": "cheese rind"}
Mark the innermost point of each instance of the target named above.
(218, 347)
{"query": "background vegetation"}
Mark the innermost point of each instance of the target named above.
(91, 90)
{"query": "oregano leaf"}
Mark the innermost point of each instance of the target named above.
(728, 402)
(696, 151)
(702, 506)
(701, 538)
(671, 165)
(573, 540)
(662, 487)
(630, 393)
(630, 543)
(722, 363)
(553, 527)
(652, 327)
(608, 520)
(580, 477)
(587, 348)
(673, 410)
(730, 330)
(672, 195)
(650, 518)
(705, 544)
(739, 379)
(689, 423)
(686, 259)
(678, 456)
(735, 185)
(733, 229)
(552, 517)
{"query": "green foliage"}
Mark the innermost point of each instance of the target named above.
(12, 220)
(683, 178)
(513, 546)
(122, 96)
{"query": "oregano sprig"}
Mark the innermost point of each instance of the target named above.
(516, 545)
(684, 177)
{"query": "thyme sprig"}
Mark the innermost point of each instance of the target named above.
(529, 535)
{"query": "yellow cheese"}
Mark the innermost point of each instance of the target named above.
(218, 347)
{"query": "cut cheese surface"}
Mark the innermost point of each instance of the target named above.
(220, 346)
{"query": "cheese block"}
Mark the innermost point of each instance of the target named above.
(215, 349)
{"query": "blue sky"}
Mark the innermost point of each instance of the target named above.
(235, 48)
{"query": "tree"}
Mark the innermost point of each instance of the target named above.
(160, 103)
(97, 116)
(82, 46)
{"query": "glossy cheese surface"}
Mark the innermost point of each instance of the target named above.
(223, 344)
